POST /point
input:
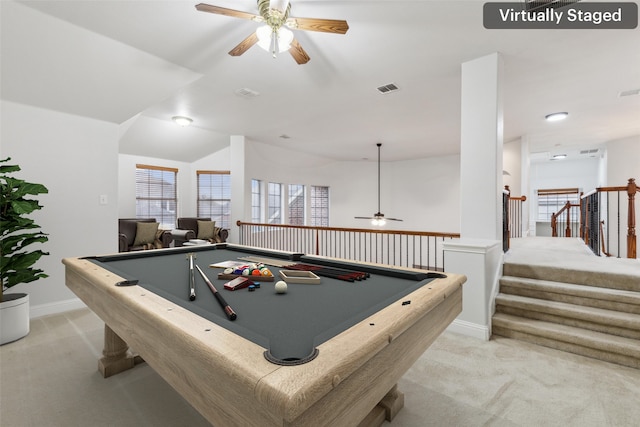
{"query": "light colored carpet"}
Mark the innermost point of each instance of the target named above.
(50, 378)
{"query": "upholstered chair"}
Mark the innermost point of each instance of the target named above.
(198, 228)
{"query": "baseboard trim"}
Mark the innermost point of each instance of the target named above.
(470, 329)
(55, 308)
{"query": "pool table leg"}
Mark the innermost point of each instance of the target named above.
(386, 409)
(392, 402)
(116, 356)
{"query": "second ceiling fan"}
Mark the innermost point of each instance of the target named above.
(273, 36)
(378, 218)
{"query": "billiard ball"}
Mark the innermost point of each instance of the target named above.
(281, 287)
(228, 271)
(266, 272)
(246, 272)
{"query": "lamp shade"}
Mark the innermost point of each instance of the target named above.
(265, 41)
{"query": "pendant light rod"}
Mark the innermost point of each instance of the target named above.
(379, 144)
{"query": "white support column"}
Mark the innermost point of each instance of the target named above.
(240, 188)
(478, 253)
(481, 149)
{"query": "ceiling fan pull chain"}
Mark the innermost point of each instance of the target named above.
(274, 43)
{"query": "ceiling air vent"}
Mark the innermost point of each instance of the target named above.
(388, 88)
(587, 152)
(629, 93)
(246, 93)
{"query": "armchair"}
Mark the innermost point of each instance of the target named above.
(198, 228)
(136, 234)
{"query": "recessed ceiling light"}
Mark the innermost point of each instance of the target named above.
(182, 121)
(554, 117)
(559, 157)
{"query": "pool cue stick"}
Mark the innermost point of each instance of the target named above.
(226, 307)
(331, 272)
(192, 278)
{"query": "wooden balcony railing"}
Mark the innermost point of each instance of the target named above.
(416, 249)
(604, 217)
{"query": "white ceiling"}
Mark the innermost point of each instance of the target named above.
(141, 62)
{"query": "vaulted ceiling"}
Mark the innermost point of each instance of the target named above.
(138, 63)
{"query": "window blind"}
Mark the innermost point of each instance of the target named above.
(214, 197)
(156, 195)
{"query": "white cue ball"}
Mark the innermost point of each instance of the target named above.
(281, 287)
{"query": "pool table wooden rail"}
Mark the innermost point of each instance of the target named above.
(227, 379)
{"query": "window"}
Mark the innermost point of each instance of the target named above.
(551, 201)
(156, 195)
(214, 197)
(319, 206)
(274, 195)
(296, 204)
(256, 201)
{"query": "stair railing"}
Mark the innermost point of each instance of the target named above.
(416, 249)
(569, 225)
(511, 216)
(602, 215)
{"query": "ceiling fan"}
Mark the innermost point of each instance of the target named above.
(273, 36)
(378, 218)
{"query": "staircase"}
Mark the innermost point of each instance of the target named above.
(591, 313)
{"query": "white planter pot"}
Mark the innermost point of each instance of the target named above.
(14, 317)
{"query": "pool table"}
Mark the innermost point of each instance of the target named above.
(320, 354)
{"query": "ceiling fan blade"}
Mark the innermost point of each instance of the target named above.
(202, 7)
(392, 219)
(337, 26)
(298, 53)
(363, 217)
(244, 45)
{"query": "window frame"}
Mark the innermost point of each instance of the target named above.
(319, 215)
(222, 220)
(553, 200)
(274, 204)
(296, 214)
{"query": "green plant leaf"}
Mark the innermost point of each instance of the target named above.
(15, 262)
(24, 276)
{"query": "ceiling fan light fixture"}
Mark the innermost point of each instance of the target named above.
(182, 120)
(274, 41)
(378, 221)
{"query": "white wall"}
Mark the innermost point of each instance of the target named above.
(77, 160)
(512, 162)
(424, 193)
(623, 158)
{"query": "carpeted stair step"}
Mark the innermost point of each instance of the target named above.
(595, 319)
(607, 298)
(620, 350)
(603, 279)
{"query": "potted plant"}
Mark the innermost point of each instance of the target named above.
(16, 259)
